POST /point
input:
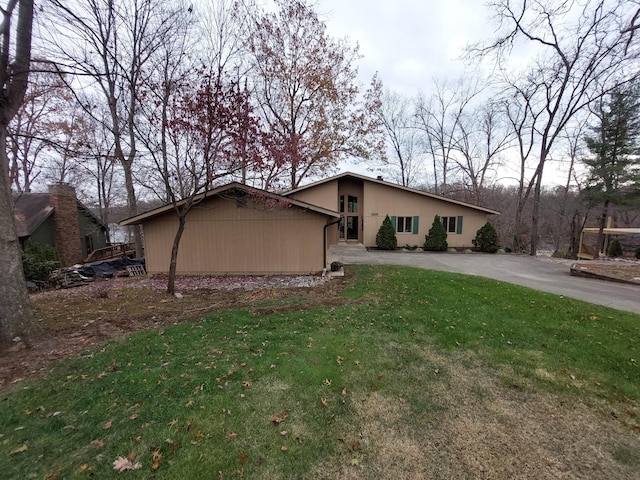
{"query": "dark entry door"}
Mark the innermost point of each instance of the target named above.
(352, 227)
(349, 227)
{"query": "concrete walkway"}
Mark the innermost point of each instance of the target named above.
(541, 273)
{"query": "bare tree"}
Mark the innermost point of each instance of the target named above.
(481, 139)
(198, 127)
(438, 117)
(29, 133)
(397, 118)
(107, 46)
(580, 53)
(16, 314)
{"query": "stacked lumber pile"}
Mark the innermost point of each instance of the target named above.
(67, 278)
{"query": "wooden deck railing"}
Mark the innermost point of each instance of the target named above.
(116, 250)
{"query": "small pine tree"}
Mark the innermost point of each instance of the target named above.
(386, 236)
(487, 239)
(614, 249)
(436, 239)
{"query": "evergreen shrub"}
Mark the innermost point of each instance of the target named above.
(38, 261)
(487, 239)
(386, 236)
(614, 249)
(436, 239)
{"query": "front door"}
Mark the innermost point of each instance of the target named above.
(349, 228)
(352, 227)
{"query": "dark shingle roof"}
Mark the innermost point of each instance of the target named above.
(30, 209)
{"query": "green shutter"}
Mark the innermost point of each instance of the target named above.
(459, 225)
(415, 225)
(393, 222)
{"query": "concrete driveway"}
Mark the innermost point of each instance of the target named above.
(546, 274)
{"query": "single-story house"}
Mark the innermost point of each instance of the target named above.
(59, 219)
(364, 202)
(237, 229)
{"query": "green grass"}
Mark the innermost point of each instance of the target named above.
(204, 399)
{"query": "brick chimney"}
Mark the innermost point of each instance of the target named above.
(62, 198)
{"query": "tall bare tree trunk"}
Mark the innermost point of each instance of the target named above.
(16, 314)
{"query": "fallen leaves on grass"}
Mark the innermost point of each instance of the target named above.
(278, 419)
(122, 464)
(156, 457)
(20, 449)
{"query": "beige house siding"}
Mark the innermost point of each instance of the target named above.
(380, 200)
(223, 237)
(324, 195)
(376, 200)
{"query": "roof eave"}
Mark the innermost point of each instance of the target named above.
(138, 219)
(393, 185)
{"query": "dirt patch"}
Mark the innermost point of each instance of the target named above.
(69, 321)
(624, 271)
(485, 428)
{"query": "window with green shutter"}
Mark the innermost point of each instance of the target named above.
(452, 224)
(405, 224)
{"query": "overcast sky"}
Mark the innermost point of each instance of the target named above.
(409, 42)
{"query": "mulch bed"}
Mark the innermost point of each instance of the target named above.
(624, 271)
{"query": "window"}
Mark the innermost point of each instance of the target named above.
(88, 243)
(452, 224)
(352, 204)
(405, 224)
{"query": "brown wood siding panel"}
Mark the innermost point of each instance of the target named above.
(380, 200)
(222, 238)
(325, 195)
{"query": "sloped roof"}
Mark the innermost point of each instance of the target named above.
(355, 176)
(221, 190)
(30, 210)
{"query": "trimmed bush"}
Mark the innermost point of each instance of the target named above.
(436, 239)
(386, 236)
(38, 261)
(614, 249)
(487, 239)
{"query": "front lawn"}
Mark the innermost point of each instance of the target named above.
(418, 374)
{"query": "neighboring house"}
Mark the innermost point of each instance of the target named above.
(236, 229)
(58, 219)
(364, 202)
